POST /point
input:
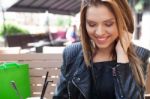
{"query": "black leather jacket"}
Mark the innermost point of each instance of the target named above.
(75, 79)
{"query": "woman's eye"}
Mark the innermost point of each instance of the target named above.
(91, 24)
(109, 24)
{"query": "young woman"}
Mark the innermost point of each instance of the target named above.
(104, 65)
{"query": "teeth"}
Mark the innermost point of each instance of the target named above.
(102, 39)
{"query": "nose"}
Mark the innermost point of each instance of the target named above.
(99, 30)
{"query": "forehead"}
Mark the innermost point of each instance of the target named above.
(99, 12)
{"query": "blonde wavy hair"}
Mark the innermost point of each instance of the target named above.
(125, 22)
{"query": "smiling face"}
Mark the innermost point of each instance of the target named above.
(101, 26)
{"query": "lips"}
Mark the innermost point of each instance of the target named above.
(102, 39)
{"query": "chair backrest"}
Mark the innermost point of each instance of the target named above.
(39, 64)
(10, 50)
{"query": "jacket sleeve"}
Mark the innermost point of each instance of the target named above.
(128, 87)
(69, 55)
(61, 88)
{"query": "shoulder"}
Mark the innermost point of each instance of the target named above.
(70, 53)
(72, 50)
(143, 53)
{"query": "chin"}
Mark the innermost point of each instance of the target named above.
(103, 46)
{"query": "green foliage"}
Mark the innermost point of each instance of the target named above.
(139, 6)
(61, 21)
(10, 29)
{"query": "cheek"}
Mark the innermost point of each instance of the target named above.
(113, 31)
(90, 30)
(115, 35)
(116, 32)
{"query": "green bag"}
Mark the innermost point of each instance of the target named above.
(14, 81)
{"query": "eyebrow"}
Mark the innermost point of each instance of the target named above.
(111, 19)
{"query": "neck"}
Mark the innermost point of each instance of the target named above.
(103, 55)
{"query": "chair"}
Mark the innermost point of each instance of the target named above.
(39, 64)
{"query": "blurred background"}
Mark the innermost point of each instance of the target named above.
(30, 25)
(47, 26)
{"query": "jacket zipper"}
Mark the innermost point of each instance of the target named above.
(78, 88)
(69, 90)
(118, 82)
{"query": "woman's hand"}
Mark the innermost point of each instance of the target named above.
(122, 48)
